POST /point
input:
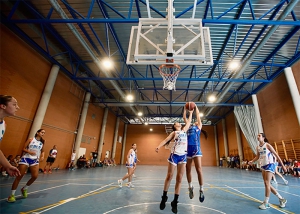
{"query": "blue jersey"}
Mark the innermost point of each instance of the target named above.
(194, 136)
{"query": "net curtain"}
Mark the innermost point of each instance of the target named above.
(246, 118)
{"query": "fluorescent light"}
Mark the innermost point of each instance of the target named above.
(234, 65)
(146, 123)
(140, 113)
(212, 98)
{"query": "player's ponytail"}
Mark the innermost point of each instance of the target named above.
(264, 136)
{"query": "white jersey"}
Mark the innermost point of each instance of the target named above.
(34, 146)
(180, 143)
(132, 157)
(2, 129)
(265, 155)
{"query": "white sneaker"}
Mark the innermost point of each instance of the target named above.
(282, 202)
(120, 183)
(264, 206)
(130, 185)
(286, 182)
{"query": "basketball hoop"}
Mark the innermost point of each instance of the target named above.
(169, 74)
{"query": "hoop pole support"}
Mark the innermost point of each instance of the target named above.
(170, 39)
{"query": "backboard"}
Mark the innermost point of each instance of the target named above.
(149, 43)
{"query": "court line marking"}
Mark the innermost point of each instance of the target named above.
(41, 190)
(255, 199)
(62, 202)
(133, 205)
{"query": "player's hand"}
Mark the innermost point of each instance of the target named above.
(13, 171)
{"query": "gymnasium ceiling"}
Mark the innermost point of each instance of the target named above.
(263, 35)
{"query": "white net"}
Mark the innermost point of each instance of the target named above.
(169, 74)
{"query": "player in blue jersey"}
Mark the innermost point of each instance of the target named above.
(194, 153)
(177, 158)
(265, 153)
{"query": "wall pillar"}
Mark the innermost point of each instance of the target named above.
(101, 140)
(293, 90)
(115, 138)
(124, 143)
(225, 137)
(42, 108)
(217, 146)
(82, 123)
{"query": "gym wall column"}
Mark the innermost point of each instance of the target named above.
(101, 140)
(225, 137)
(257, 113)
(217, 146)
(293, 90)
(115, 138)
(82, 123)
(124, 143)
(42, 108)
(239, 140)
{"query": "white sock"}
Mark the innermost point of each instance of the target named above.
(25, 187)
(279, 196)
(190, 185)
(266, 201)
(201, 188)
(13, 192)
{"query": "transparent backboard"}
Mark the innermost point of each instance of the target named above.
(191, 43)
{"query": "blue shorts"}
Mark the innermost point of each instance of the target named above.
(29, 162)
(193, 151)
(177, 159)
(129, 165)
(269, 167)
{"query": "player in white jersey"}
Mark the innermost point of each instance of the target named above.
(130, 167)
(8, 107)
(195, 154)
(265, 152)
(33, 152)
(177, 158)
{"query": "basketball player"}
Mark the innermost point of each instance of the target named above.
(194, 153)
(265, 153)
(177, 158)
(8, 107)
(50, 160)
(130, 167)
(33, 153)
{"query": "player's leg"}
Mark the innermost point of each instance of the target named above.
(164, 198)
(198, 166)
(22, 168)
(189, 177)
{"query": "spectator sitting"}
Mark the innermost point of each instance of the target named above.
(112, 162)
(290, 168)
(16, 161)
(296, 168)
(106, 162)
(81, 162)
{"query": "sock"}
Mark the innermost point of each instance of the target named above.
(190, 185)
(279, 196)
(25, 187)
(13, 192)
(266, 201)
(165, 193)
(176, 197)
(201, 188)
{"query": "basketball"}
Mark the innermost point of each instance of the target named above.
(190, 106)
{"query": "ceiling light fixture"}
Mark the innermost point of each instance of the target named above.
(107, 63)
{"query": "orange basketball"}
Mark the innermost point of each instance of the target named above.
(190, 106)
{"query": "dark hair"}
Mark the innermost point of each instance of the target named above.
(264, 136)
(42, 140)
(4, 99)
